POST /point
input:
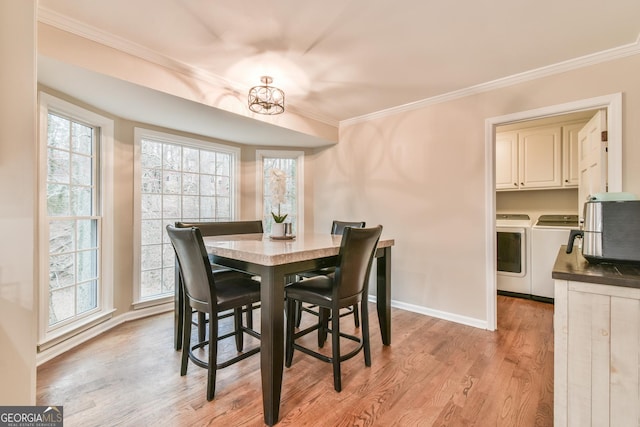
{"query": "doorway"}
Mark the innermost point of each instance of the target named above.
(611, 103)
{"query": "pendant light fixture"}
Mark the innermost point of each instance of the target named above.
(266, 99)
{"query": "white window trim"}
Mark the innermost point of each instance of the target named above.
(139, 135)
(281, 154)
(47, 102)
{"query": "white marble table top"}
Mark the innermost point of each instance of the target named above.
(261, 249)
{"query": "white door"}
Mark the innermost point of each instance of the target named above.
(592, 159)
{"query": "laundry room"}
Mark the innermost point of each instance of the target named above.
(539, 196)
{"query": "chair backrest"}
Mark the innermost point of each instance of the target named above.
(224, 228)
(338, 226)
(357, 248)
(195, 270)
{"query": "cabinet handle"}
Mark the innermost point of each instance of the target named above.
(515, 183)
(522, 184)
(566, 180)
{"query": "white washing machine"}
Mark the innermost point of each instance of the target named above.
(513, 254)
(547, 235)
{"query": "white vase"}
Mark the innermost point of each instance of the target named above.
(277, 229)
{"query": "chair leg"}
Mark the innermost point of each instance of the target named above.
(202, 326)
(249, 316)
(335, 343)
(298, 313)
(291, 318)
(323, 319)
(356, 317)
(366, 343)
(213, 356)
(179, 310)
(187, 314)
(237, 327)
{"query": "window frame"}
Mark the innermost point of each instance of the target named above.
(164, 137)
(281, 154)
(104, 128)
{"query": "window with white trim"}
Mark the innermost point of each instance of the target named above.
(292, 164)
(176, 179)
(76, 206)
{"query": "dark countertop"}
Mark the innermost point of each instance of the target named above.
(575, 267)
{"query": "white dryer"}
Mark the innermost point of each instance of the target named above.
(547, 235)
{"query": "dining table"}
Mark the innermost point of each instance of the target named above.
(276, 259)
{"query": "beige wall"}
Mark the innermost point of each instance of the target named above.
(422, 175)
(18, 301)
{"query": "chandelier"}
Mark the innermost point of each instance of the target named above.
(266, 99)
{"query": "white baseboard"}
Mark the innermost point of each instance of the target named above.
(84, 336)
(464, 320)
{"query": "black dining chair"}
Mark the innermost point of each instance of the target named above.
(220, 228)
(337, 228)
(347, 286)
(205, 294)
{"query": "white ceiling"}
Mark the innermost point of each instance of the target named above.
(342, 59)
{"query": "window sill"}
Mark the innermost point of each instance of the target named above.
(152, 302)
(62, 334)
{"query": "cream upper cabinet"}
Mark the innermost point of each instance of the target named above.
(529, 159)
(506, 160)
(570, 167)
(540, 157)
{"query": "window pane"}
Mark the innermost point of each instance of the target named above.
(61, 305)
(81, 170)
(151, 257)
(168, 279)
(81, 201)
(61, 236)
(87, 265)
(207, 207)
(151, 154)
(223, 208)
(171, 182)
(151, 232)
(151, 206)
(171, 207)
(208, 162)
(58, 132)
(87, 296)
(223, 187)
(82, 138)
(190, 207)
(151, 181)
(58, 200)
(172, 157)
(61, 270)
(87, 233)
(190, 161)
(58, 166)
(190, 183)
(150, 283)
(207, 185)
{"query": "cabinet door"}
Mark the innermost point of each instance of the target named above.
(540, 154)
(570, 170)
(507, 161)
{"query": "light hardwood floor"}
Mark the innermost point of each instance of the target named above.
(435, 373)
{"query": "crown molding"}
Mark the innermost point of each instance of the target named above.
(561, 67)
(62, 22)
